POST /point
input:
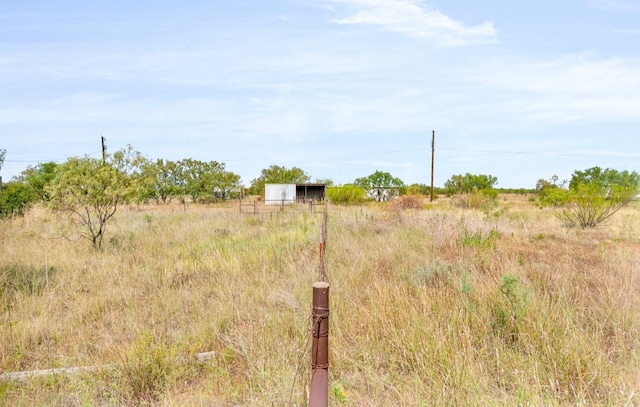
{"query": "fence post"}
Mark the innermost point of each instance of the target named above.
(319, 394)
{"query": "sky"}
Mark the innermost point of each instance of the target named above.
(521, 90)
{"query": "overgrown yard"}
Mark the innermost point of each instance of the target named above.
(438, 306)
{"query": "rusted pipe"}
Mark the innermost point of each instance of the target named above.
(319, 393)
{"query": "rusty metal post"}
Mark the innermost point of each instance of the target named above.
(319, 394)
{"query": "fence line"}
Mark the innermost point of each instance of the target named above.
(257, 207)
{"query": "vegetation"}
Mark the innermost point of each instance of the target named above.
(347, 195)
(88, 192)
(37, 178)
(430, 307)
(15, 199)
(593, 196)
(472, 191)
(380, 186)
(551, 192)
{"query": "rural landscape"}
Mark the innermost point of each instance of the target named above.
(477, 297)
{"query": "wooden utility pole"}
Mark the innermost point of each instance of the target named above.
(433, 150)
(104, 150)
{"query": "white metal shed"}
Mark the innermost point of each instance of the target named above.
(276, 194)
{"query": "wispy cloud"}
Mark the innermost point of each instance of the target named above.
(614, 5)
(573, 87)
(631, 32)
(411, 17)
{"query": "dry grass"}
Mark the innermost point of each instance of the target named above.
(436, 306)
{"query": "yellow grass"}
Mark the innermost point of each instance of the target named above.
(439, 306)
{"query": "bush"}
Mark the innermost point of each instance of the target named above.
(347, 195)
(482, 199)
(594, 195)
(407, 202)
(15, 199)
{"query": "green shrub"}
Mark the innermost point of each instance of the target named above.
(15, 199)
(347, 195)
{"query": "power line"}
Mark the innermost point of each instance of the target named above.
(39, 160)
(545, 153)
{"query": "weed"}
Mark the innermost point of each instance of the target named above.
(21, 278)
(339, 393)
(510, 308)
(148, 369)
(478, 240)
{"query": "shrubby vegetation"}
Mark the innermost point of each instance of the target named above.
(15, 199)
(438, 307)
(592, 197)
(347, 195)
(472, 191)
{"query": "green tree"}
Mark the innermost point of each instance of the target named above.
(326, 181)
(88, 193)
(38, 178)
(3, 154)
(208, 180)
(160, 181)
(468, 183)
(594, 195)
(15, 199)
(276, 174)
(551, 192)
(380, 186)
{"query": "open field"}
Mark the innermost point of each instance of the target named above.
(439, 306)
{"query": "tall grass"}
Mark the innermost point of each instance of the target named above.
(428, 307)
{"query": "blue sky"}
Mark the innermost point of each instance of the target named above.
(340, 88)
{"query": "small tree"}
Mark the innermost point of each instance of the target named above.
(89, 192)
(551, 192)
(594, 195)
(380, 186)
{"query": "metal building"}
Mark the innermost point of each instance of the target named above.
(276, 194)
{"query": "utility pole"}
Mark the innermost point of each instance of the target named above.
(433, 150)
(104, 150)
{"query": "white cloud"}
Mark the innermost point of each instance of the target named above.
(412, 18)
(571, 88)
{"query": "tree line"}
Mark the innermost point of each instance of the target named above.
(89, 190)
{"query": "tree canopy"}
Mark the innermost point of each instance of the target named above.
(88, 192)
(468, 183)
(594, 195)
(379, 184)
